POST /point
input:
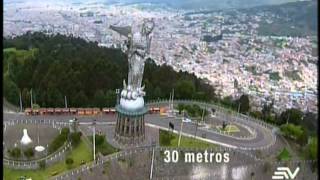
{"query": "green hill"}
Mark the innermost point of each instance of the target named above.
(58, 66)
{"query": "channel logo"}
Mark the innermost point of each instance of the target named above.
(285, 173)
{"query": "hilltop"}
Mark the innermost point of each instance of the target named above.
(56, 66)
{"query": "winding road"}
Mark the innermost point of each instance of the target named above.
(265, 134)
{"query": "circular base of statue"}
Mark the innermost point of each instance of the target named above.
(130, 126)
(129, 141)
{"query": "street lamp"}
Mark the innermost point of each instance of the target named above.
(94, 140)
(183, 116)
(118, 95)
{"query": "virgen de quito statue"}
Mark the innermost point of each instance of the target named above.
(130, 126)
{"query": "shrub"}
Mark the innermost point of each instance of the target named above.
(75, 138)
(292, 131)
(42, 164)
(102, 145)
(54, 173)
(69, 161)
(284, 155)
(29, 152)
(15, 152)
(165, 138)
(100, 139)
(59, 140)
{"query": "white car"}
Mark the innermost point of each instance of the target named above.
(186, 120)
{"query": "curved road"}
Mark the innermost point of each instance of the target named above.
(264, 138)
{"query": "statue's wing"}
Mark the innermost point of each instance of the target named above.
(124, 31)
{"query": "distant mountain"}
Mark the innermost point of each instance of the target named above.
(295, 19)
(181, 4)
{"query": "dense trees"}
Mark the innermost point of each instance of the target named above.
(292, 131)
(185, 89)
(88, 75)
(59, 140)
(313, 148)
(28, 152)
(103, 146)
(243, 103)
(192, 110)
(75, 138)
(293, 116)
(15, 152)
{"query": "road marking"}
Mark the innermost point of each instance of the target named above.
(191, 135)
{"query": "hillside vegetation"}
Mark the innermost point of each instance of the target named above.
(88, 75)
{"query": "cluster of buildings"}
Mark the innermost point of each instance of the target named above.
(222, 47)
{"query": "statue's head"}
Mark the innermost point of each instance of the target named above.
(147, 26)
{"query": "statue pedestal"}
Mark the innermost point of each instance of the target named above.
(130, 126)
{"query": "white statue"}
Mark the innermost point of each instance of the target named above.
(137, 48)
(25, 140)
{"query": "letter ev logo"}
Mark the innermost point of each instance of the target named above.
(285, 173)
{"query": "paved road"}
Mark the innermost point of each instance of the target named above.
(263, 138)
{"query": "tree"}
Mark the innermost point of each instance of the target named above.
(244, 103)
(266, 110)
(312, 148)
(157, 93)
(29, 153)
(99, 140)
(59, 140)
(111, 98)
(61, 66)
(42, 164)
(184, 89)
(26, 97)
(99, 99)
(292, 131)
(10, 90)
(228, 102)
(54, 97)
(80, 99)
(69, 161)
(310, 122)
(284, 155)
(293, 116)
(200, 96)
(15, 152)
(303, 138)
(180, 108)
(224, 125)
(75, 138)
(256, 114)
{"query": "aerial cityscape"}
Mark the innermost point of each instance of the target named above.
(282, 68)
(156, 89)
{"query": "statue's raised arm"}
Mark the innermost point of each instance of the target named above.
(147, 28)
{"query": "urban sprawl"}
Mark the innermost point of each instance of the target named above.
(224, 50)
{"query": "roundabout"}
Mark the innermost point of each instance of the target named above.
(26, 144)
(242, 134)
